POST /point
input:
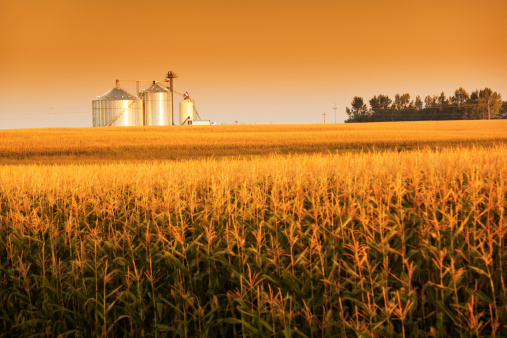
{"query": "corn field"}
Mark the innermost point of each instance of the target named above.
(371, 244)
(99, 145)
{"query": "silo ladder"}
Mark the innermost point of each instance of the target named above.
(121, 114)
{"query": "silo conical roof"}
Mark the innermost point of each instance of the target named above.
(155, 88)
(117, 94)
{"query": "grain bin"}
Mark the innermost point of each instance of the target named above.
(156, 106)
(117, 108)
(186, 111)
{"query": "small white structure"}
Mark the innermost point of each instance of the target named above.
(186, 111)
(201, 123)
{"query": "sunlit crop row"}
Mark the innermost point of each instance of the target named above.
(154, 143)
(375, 244)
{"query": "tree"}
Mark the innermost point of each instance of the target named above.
(479, 104)
(442, 100)
(473, 111)
(359, 110)
(418, 103)
(460, 97)
(474, 97)
(429, 102)
(380, 102)
(490, 103)
(401, 101)
(503, 110)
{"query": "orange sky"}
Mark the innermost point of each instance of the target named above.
(250, 61)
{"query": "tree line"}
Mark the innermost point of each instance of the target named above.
(478, 105)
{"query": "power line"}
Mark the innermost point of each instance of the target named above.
(67, 113)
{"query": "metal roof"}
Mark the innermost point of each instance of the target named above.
(155, 88)
(116, 94)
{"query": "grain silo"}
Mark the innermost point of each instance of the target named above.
(156, 106)
(117, 108)
(186, 111)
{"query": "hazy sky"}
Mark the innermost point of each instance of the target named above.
(251, 61)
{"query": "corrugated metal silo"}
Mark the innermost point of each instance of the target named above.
(156, 106)
(120, 105)
(186, 111)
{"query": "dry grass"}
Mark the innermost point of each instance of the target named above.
(369, 244)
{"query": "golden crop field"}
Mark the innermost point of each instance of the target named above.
(378, 230)
(98, 145)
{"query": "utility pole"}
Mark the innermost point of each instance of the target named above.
(335, 113)
(324, 118)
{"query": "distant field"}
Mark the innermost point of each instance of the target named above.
(99, 145)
